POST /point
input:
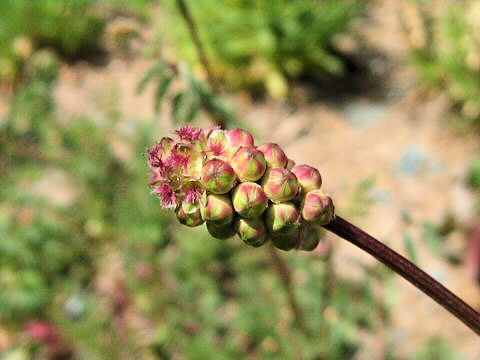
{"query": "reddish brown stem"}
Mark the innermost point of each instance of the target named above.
(407, 270)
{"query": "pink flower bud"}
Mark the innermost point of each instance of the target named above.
(274, 155)
(220, 231)
(218, 176)
(249, 164)
(217, 210)
(317, 207)
(251, 231)
(308, 177)
(283, 218)
(218, 145)
(249, 200)
(240, 137)
(190, 220)
(280, 185)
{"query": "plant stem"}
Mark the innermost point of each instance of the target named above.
(407, 270)
(286, 279)
(193, 29)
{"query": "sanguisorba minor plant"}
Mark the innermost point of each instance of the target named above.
(221, 178)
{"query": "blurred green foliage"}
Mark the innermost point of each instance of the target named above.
(72, 30)
(187, 101)
(262, 46)
(445, 48)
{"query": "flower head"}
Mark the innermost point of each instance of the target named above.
(212, 175)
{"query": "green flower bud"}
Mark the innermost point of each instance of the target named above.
(283, 218)
(251, 231)
(274, 155)
(280, 185)
(308, 177)
(217, 210)
(249, 200)
(286, 242)
(309, 238)
(220, 231)
(190, 220)
(249, 164)
(218, 176)
(317, 207)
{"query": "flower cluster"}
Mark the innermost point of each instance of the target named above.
(221, 178)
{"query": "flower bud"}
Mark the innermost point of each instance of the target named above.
(249, 200)
(317, 207)
(190, 220)
(220, 231)
(309, 238)
(251, 231)
(282, 218)
(240, 137)
(218, 176)
(249, 164)
(286, 242)
(280, 185)
(274, 155)
(217, 210)
(308, 177)
(218, 145)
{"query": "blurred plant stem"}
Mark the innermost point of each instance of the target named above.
(286, 278)
(407, 270)
(193, 29)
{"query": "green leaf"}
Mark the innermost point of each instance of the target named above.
(153, 72)
(161, 91)
(411, 248)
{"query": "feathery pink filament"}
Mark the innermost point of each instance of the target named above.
(168, 196)
(189, 133)
(193, 195)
